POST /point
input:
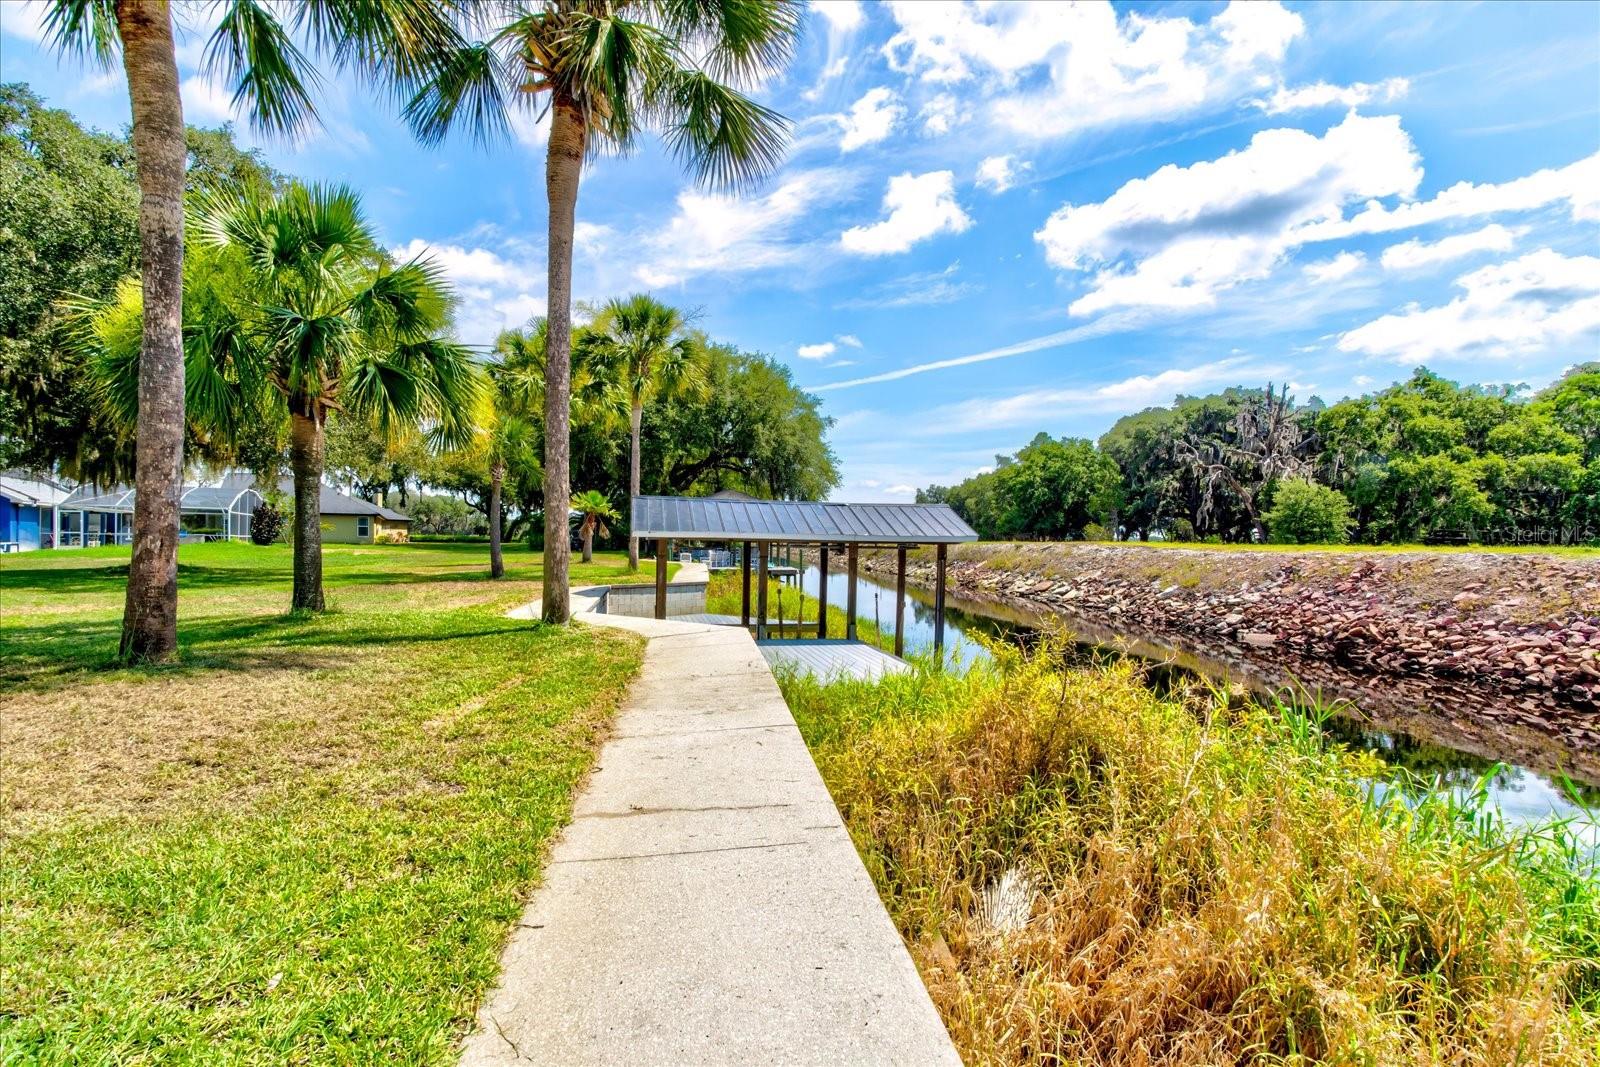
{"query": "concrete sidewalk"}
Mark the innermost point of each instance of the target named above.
(706, 904)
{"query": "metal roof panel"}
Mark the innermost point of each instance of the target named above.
(796, 520)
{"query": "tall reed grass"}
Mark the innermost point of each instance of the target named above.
(1090, 873)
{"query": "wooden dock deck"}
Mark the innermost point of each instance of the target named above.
(832, 659)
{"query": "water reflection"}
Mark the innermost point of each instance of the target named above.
(1520, 792)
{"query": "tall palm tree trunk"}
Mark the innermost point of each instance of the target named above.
(497, 562)
(636, 421)
(563, 170)
(588, 543)
(150, 615)
(306, 455)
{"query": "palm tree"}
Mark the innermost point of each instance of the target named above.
(646, 350)
(594, 509)
(256, 56)
(605, 70)
(294, 304)
(505, 431)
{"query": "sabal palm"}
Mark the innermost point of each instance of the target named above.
(607, 70)
(255, 55)
(647, 350)
(593, 509)
(295, 308)
(506, 425)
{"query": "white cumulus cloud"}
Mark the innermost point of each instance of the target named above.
(999, 173)
(841, 15)
(1534, 302)
(1340, 266)
(1051, 68)
(495, 289)
(817, 351)
(941, 114)
(1414, 254)
(870, 119)
(1577, 183)
(1178, 237)
(919, 206)
(1326, 94)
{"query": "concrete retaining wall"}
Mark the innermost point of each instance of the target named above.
(639, 601)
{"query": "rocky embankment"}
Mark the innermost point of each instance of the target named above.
(1522, 632)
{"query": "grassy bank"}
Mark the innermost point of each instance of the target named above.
(725, 592)
(1087, 873)
(305, 842)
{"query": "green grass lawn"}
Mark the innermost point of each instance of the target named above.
(305, 842)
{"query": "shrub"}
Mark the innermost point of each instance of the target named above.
(1095, 532)
(391, 537)
(1304, 513)
(450, 538)
(266, 524)
(1180, 530)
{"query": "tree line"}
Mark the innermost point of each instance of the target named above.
(605, 73)
(1424, 461)
(659, 407)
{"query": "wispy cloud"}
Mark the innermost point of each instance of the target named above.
(1099, 328)
(915, 290)
(1038, 408)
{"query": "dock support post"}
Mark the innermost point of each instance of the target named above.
(851, 554)
(942, 554)
(744, 567)
(822, 591)
(761, 590)
(661, 577)
(900, 602)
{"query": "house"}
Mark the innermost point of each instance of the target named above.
(28, 511)
(220, 511)
(36, 514)
(351, 520)
(394, 524)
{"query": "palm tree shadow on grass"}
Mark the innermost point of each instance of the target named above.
(111, 579)
(51, 656)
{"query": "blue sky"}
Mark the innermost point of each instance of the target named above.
(1003, 218)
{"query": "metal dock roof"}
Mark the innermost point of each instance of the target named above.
(713, 519)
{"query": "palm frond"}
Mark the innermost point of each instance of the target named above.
(317, 220)
(466, 86)
(85, 28)
(387, 394)
(410, 302)
(217, 374)
(450, 382)
(606, 63)
(270, 76)
(727, 140)
(108, 334)
(742, 40)
(396, 44)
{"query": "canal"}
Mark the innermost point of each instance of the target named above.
(1394, 723)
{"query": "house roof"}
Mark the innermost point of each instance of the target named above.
(19, 488)
(220, 495)
(795, 520)
(333, 502)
